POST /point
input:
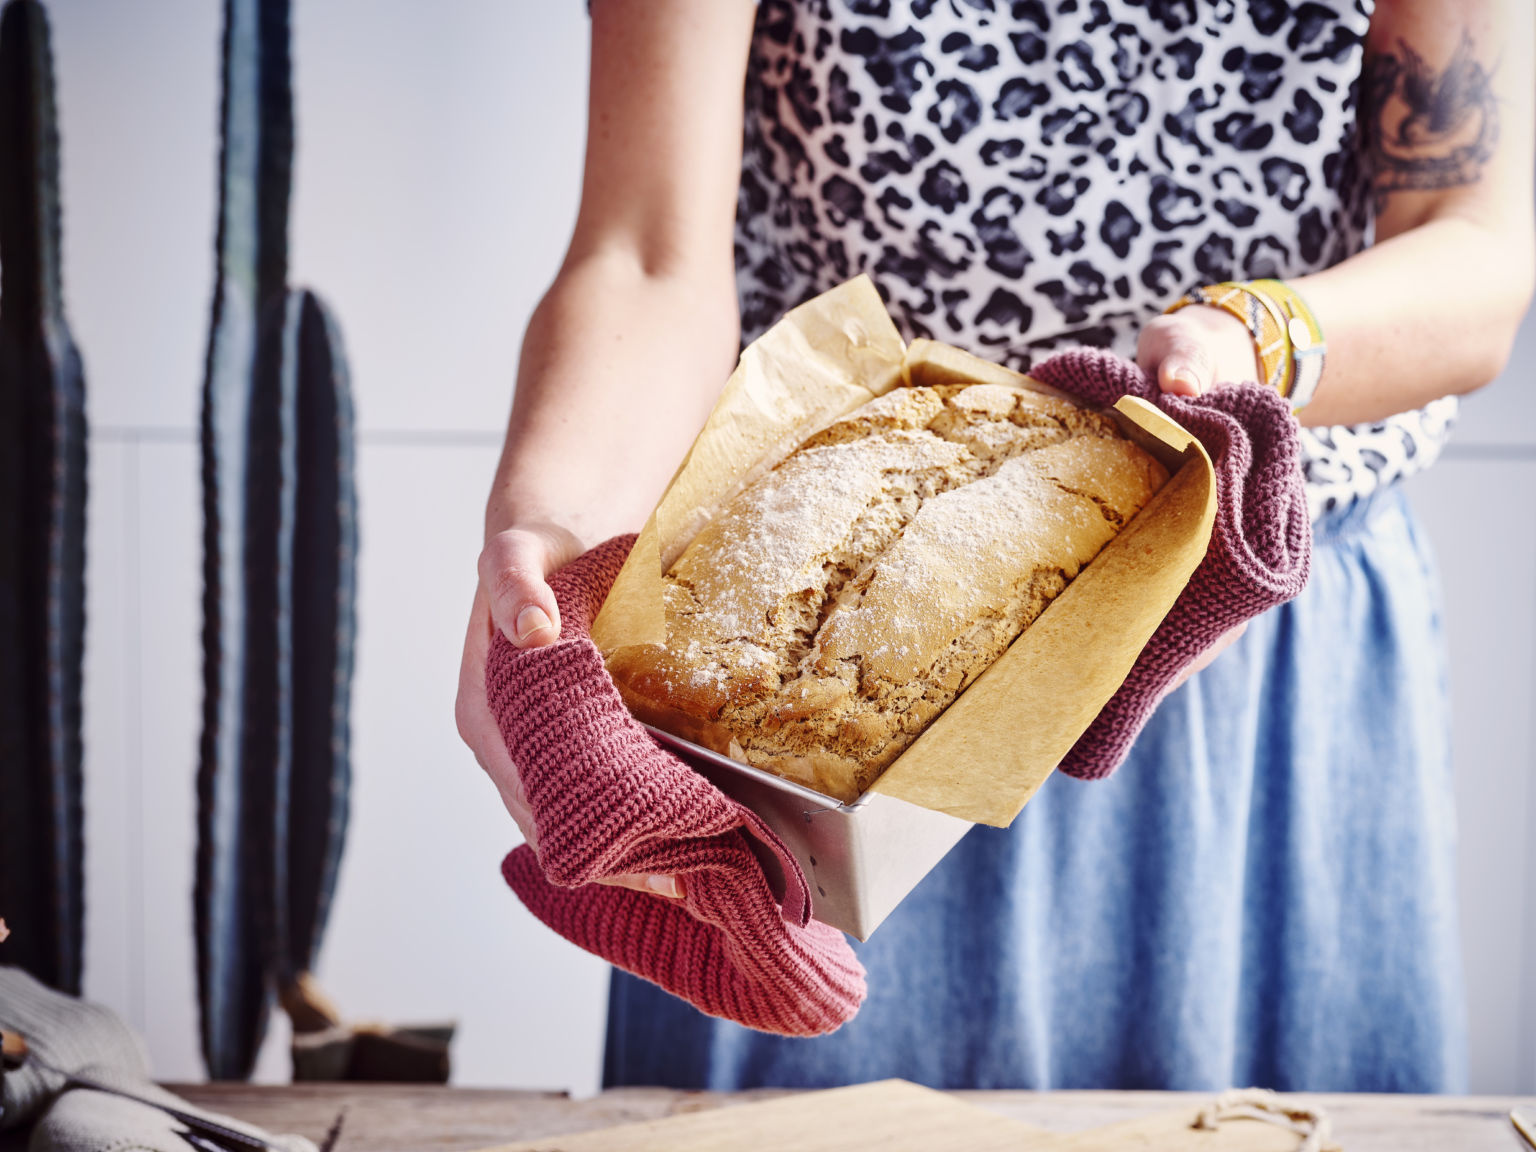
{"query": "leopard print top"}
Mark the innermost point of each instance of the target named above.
(1019, 176)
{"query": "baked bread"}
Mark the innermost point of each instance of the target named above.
(836, 606)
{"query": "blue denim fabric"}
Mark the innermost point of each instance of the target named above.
(1262, 894)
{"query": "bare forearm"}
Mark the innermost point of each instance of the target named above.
(629, 347)
(1428, 313)
(619, 369)
(631, 344)
(1446, 119)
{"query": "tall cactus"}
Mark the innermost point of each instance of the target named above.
(42, 527)
(301, 577)
(279, 554)
(255, 164)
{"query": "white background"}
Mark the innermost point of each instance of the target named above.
(438, 165)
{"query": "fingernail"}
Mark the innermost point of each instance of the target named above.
(1181, 374)
(665, 886)
(531, 620)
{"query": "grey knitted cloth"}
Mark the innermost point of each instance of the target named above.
(86, 1039)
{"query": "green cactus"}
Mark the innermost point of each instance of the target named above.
(280, 542)
(42, 527)
(255, 165)
(301, 580)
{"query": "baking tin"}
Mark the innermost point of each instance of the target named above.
(985, 755)
(861, 859)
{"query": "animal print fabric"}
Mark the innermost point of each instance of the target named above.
(1020, 176)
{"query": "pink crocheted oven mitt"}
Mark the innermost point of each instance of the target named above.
(1261, 546)
(607, 800)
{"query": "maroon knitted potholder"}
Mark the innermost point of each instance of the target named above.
(1261, 545)
(608, 801)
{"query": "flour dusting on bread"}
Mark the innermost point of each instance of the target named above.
(832, 610)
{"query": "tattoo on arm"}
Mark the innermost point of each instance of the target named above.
(1425, 130)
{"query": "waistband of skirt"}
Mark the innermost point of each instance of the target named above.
(1359, 514)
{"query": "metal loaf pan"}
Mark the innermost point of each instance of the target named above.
(861, 859)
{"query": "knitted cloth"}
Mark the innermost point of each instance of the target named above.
(1261, 544)
(608, 801)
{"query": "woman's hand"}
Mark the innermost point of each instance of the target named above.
(1190, 351)
(514, 566)
(514, 596)
(627, 350)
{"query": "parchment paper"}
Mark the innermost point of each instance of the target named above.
(986, 755)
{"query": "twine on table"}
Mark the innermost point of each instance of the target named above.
(1264, 1105)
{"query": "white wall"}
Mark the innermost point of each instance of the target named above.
(439, 150)
(1476, 504)
(437, 171)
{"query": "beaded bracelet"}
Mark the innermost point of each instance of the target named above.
(1287, 339)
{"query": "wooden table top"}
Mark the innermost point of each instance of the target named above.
(397, 1118)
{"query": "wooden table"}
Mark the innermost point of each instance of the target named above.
(397, 1118)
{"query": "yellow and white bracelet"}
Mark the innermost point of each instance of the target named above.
(1288, 342)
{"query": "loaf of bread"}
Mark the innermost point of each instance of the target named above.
(835, 607)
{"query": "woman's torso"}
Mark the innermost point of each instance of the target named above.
(1020, 176)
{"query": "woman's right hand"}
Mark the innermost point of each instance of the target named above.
(514, 596)
(626, 352)
(514, 566)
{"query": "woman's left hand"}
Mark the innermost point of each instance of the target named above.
(1190, 351)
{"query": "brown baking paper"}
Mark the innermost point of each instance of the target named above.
(986, 755)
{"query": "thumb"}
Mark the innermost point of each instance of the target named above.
(1186, 369)
(513, 569)
(1171, 353)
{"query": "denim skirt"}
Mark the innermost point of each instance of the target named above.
(1262, 894)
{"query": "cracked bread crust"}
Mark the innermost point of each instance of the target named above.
(832, 610)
